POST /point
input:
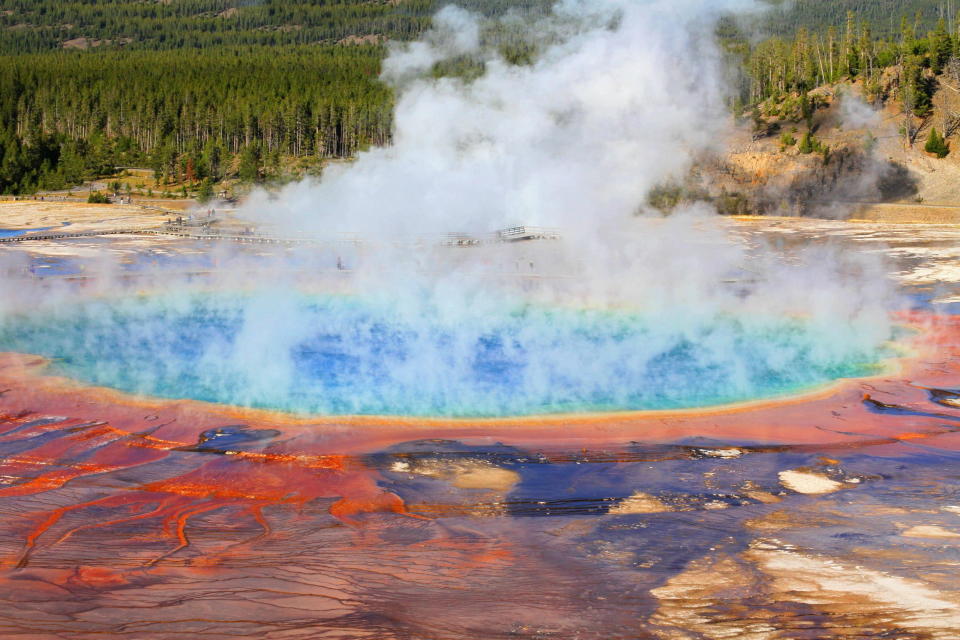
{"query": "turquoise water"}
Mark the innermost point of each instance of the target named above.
(344, 355)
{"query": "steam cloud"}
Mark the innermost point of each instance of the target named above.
(857, 114)
(622, 96)
(575, 140)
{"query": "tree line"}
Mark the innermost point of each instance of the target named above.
(39, 25)
(778, 73)
(777, 65)
(231, 89)
(785, 17)
(71, 114)
(197, 88)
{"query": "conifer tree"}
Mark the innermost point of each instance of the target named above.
(914, 87)
(941, 47)
(936, 144)
(205, 192)
(250, 163)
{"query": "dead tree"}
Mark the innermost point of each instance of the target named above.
(951, 111)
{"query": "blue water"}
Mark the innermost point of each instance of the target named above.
(343, 355)
(13, 233)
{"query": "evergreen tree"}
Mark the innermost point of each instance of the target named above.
(941, 47)
(205, 192)
(936, 144)
(806, 109)
(915, 88)
(250, 164)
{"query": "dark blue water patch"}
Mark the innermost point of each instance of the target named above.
(32, 424)
(894, 494)
(886, 408)
(924, 298)
(156, 260)
(589, 483)
(14, 233)
(12, 446)
(567, 497)
(949, 398)
(34, 440)
(54, 266)
(342, 355)
(231, 438)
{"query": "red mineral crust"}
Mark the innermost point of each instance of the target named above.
(105, 493)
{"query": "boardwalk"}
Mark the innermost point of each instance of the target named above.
(63, 235)
(515, 234)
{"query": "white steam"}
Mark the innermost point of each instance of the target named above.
(857, 114)
(575, 140)
(621, 97)
(455, 32)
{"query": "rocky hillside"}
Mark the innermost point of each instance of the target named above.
(834, 154)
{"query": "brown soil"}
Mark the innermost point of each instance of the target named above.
(871, 173)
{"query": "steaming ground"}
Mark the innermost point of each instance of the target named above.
(360, 355)
(574, 140)
(489, 330)
(807, 515)
(629, 310)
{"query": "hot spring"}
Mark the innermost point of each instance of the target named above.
(321, 354)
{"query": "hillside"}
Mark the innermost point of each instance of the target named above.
(787, 16)
(863, 159)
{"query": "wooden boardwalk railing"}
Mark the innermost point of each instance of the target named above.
(452, 239)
